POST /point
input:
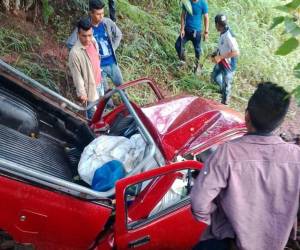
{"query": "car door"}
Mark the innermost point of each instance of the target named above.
(153, 209)
(47, 219)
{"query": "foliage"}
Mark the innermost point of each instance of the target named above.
(81, 4)
(47, 10)
(14, 44)
(150, 29)
(291, 20)
(12, 41)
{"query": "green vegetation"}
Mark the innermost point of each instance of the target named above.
(149, 46)
(22, 48)
(12, 41)
(47, 11)
(150, 28)
(291, 20)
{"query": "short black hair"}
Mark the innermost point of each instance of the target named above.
(268, 106)
(221, 19)
(84, 24)
(96, 5)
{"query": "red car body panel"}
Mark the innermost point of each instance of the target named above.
(47, 219)
(185, 122)
(150, 196)
(52, 218)
(162, 231)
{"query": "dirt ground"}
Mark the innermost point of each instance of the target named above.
(290, 128)
(50, 50)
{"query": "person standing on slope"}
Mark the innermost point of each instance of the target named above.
(225, 58)
(191, 30)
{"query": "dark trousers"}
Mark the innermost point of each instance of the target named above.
(213, 245)
(112, 9)
(190, 35)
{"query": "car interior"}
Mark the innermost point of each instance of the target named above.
(43, 138)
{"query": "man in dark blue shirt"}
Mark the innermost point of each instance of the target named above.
(105, 35)
(191, 29)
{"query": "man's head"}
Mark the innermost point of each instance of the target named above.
(220, 22)
(267, 107)
(85, 31)
(96, 8)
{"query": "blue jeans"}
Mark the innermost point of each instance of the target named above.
(190, 35)
(90, 112)
(213, 245)
(223, 77)
(114, 73)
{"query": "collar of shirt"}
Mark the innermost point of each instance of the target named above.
(225, 30)
(79, 45)
(262, 139)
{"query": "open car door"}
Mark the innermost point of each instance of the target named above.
(153, 209)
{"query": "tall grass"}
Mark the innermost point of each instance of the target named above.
(22, 48)
(150, 29)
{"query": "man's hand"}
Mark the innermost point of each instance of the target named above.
(182, 33)
(205, 36)
(83, 99)
(217, 59)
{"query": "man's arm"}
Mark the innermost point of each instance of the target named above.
(234, 52)
(206, 26)
(116, 32)
(211, 180)
(118, 37)
(74, 66)
(230, 54)
(182, 24)
(72, 39)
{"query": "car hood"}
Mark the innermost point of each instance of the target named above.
(184, 123)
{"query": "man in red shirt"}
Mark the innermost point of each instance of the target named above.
(84, 64)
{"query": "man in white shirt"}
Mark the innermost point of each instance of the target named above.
(225, 58)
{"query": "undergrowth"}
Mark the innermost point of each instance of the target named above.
(150, 29)
(22, 48)
(155, 34)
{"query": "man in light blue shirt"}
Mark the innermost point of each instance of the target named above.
(191, 29)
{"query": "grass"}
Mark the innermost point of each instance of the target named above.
(23, 47)
(149, 48)
(150, 29)
(15, 42)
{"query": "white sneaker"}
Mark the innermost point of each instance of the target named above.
(197, 69)
(181, 63)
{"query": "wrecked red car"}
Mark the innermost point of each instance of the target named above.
(45, 205)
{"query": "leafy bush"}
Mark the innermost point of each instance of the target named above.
(151, 27)
(47, 10)
(290, 18)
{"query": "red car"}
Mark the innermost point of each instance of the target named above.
(45, 205)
